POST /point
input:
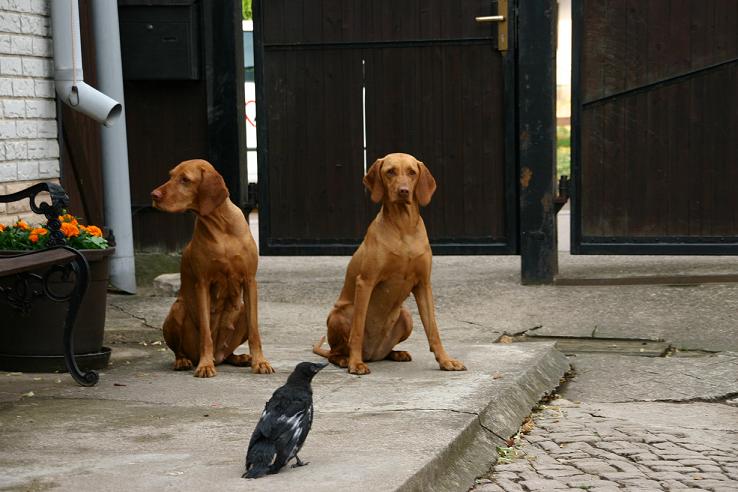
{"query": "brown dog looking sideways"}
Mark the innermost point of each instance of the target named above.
(215, 310)
(394, 259)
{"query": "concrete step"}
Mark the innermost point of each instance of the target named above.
(406, 426)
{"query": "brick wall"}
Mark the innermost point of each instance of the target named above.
(29, 151)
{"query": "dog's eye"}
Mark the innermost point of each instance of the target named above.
(184, 180)
(412, 172)
(391, 172)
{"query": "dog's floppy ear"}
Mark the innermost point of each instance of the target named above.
(373, 181)
(426, 185)
(211, 192)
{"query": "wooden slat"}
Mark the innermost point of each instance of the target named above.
(33, 261)
(660, 162)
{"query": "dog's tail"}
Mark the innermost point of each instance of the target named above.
(319, 350)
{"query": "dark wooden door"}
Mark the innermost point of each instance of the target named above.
(341, 83)
(655, 125)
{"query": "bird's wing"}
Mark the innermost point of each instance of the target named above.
(284, 421)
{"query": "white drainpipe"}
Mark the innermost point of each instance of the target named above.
(72, 90)
(70, 85)
(114, 146)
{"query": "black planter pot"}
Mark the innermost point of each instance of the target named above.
(32, 341)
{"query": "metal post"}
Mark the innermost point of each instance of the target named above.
(537, 140)
(114, 143)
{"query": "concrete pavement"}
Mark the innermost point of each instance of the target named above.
(406, 426)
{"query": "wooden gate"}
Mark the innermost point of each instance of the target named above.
(341, 83)
(655, 127)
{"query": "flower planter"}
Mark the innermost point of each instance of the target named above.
(32, 341)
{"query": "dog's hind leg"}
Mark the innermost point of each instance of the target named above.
(401, 330)
(175, 332)
(339, 327)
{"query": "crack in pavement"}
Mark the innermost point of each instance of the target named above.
(140, 318)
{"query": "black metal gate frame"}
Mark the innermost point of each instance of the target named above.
(627, 245)
(444, 246)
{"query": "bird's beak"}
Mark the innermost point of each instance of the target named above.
(320, 367)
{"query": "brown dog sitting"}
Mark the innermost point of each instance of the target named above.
(215, 311)
(394, 259)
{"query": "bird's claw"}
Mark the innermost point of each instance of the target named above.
(299, 463)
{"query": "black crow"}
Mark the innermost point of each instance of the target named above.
(284, 424)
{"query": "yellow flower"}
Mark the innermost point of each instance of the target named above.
(93, 230)
(69, 229)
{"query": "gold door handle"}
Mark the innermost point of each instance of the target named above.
(501, 17)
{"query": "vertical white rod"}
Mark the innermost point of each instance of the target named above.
(114, 140)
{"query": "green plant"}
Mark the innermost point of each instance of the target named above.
(21, 236)
(563, 150)
(246, 9)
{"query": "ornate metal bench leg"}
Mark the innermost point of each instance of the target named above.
(81, 273)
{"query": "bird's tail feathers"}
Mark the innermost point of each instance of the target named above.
(319, 350)
(259, 459)
(256, 471)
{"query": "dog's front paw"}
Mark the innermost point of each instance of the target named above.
(182, 364)
(261, 366)
(205, 370)
(358, 368)
(452, 365)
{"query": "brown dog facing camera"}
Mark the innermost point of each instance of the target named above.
(215, 310)
(394, 259)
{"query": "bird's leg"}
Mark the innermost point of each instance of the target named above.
(299, 462)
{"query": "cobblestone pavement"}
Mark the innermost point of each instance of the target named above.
(631, 423)
(573, 446)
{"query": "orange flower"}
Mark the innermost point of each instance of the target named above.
(39, 231)
(68, 218)
(69, 229)
(2, 228)
(23, 225)
(93, 230)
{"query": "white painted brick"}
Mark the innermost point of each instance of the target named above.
(42, 47)
(16, 150)
(6, 87)
(21, 45)
(7, 129)
(6, 44)
(36, 67)
(48, 169)
(10, 22)
(14, 108)
(31, 24)
(47, 129)
(10, 65)
(40, 7)
(8, 171)
(15, 5)
(23, 87)
(28, 170)
(44, 88)
(2, 156)
(40, 108)
(42, 149)
(27, 128)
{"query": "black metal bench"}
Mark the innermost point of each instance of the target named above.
(57, 256)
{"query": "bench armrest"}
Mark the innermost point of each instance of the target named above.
(52, 211)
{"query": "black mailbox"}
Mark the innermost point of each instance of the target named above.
(160, 39)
